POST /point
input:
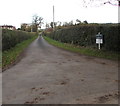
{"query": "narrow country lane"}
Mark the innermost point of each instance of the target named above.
(49, 75)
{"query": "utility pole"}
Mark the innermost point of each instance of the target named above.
(53, 19)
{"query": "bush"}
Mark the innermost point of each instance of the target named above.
(85, 35)
(11, 38)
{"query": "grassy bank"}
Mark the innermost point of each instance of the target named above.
(10, 56)
(84, 50)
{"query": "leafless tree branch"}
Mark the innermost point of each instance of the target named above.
(98, 3)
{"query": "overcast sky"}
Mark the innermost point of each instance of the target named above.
(15, 12)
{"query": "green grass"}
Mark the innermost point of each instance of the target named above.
(10, 56)
(84, 50)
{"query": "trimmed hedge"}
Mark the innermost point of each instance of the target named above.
(85, 35)
(11, 38)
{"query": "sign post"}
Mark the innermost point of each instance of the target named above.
(98, 45)
(99, 39)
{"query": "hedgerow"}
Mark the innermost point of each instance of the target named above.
(11, 38)
(85, 35)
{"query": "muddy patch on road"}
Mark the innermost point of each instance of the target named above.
(35, 100)
(63, 81)
(107, 98)
(36, 89)
(41, 95)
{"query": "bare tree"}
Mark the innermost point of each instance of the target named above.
(97, 3)
(71, 23)
(53, 24)
(85, 22)
(78, 21)
(47, 25)
(37, 21)
(59, 23)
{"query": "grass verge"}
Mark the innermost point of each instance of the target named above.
(84, 50)
(10, 56)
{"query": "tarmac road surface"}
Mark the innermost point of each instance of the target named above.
(50, 75)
